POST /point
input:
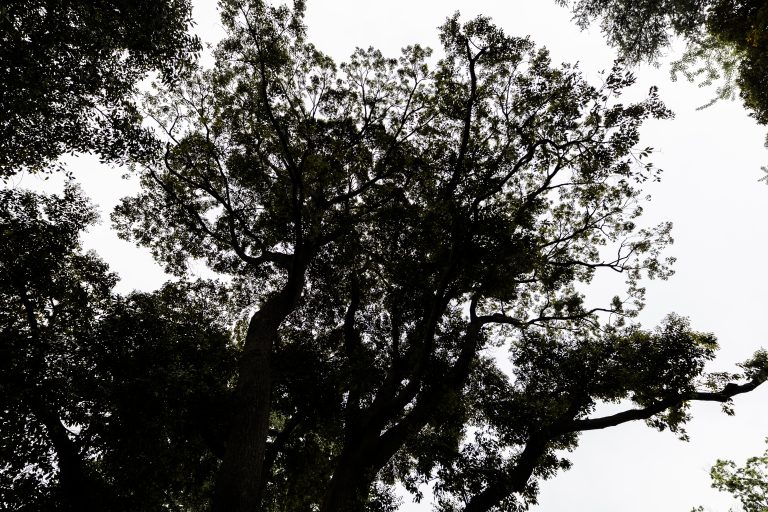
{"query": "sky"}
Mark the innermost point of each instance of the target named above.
(709, 190)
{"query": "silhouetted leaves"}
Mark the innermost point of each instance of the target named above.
(407, 241)
(68, 70)
(727, 40)
(398, 224)
(108, 403)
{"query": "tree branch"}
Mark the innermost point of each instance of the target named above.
(729, 391)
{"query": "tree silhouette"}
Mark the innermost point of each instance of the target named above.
(394, 223)
(106, 402)
(727, 40)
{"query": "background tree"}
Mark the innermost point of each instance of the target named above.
(68, 70)
(395, 222)
(748, 483)
(106, 403)
(44, 279)
(726, 40)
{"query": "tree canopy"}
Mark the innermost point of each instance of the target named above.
(68, 69)
(398, 220)
(405, 244)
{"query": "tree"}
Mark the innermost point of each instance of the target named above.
(41, 277)
(105, 399)
(748, 483)
(394, 223)
(68, 70)
(726, 40)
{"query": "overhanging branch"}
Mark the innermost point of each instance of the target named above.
(729, 391)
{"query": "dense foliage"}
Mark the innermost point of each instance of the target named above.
(106, 402)
(406, 243)
(68, 69)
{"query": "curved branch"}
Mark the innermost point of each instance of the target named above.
(729, 391)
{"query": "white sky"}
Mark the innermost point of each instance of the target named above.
(709, 191)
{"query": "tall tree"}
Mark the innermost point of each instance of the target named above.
(68, 69)
(395, 223)
(106, 402)
(50, 296)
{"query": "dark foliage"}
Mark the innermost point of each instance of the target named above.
(413, 235)
(68, 69)
(106, 402)
(407, 241)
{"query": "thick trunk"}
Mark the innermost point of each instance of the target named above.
(77, 490)
(367, 450)
(239, 483)
(351, 483)
(237, 487)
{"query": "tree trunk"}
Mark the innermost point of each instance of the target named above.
(78, 491)
(349, 488)
(367, 449)
(237, 486)
(240, 477)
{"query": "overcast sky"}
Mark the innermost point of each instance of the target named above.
(709, 190)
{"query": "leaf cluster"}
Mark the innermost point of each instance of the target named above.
(726, 40)
(68, 70)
